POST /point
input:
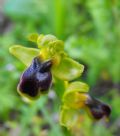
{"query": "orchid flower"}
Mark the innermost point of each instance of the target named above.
(49, 60)
(75, 98)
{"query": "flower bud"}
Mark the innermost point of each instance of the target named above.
(36, 79)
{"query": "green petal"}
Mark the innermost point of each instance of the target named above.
(68, 117)
(24, 54)
(77, 86)
(45, 39)
(68, 69)
(52, 49)
(33, 37)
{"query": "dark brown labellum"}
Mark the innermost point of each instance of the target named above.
(97, 108)
(36, 78)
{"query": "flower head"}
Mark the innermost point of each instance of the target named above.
(75, 98)
(49, 60)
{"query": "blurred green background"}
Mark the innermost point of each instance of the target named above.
(91, 31)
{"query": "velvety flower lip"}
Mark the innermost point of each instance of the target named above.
(36, 79)
(97, 108)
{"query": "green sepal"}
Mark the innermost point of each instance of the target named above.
(68, 69)
(24, 54)
(68, 117)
